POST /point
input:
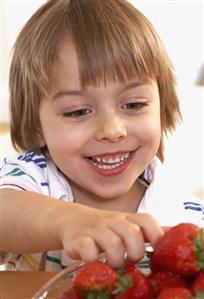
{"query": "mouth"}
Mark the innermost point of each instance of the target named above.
(110, 164)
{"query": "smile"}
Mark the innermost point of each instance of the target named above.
(110, 164)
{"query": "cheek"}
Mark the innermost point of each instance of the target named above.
(65, 141)
(149, 139)
(149, 130)
(57, 133)
(154, 134)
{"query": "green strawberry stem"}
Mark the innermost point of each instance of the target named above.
(199, 295)
(97, 294)
(125, 282)
(122, 286)
(199, 249)
(121, 271)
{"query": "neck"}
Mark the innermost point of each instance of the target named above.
(128, 202)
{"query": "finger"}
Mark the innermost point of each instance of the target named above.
(132, 237)
(151, 230)
(111, 243)
(166, 228)
(84, 248)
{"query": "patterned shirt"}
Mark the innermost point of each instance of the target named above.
(36, 172)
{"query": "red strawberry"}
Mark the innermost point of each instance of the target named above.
(180, 250)
(141, 289)
(163, 279)
(175, 293)
(130, 266)
(95, 276)
(198, 283)
(70, 294)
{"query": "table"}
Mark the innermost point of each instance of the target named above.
(22, 285)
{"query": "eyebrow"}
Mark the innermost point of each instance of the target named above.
(67, 92)
(78, 92)
(135, 84)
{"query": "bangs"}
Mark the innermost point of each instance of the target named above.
(116, 50)
(114, 42)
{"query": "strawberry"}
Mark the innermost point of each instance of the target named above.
(180, 250)
(163, 279)
(95, 276)
(70, 294)
(129, 267)
(175, 293)
(198, 283)
(141, 288)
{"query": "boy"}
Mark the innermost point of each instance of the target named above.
(92, 94)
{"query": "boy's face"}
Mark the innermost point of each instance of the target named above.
(101, 138)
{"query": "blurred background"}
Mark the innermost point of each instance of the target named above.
(180, 25)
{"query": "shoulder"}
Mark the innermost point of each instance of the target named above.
(29, 162)
(167, 200)
(26, 171)
(32, 158)
(26, 158)
(33, 171)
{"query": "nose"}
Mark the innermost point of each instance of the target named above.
(111, 128)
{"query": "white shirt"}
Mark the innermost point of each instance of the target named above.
(37, 173)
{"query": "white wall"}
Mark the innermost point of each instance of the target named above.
(180, 24)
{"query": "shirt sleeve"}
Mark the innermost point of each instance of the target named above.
(194, 209)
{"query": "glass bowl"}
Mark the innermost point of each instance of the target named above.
(57, 285)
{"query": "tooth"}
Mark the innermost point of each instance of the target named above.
(116, 160)
(108, 160)
(111, 160)
(104, 160)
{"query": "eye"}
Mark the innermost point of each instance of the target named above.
(77, 113)
(134, 105)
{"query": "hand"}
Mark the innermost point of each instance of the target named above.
(88, 232)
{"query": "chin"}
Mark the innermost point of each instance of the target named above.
(111, 195)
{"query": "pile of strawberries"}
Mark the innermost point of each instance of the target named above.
(177, 272)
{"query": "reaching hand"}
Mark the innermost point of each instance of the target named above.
(87, 232)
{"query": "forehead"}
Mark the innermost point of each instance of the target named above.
(104, 50)
(65, 74)
(66, 68)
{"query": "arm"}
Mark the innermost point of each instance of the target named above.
(32, 222)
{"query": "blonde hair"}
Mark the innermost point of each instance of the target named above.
(113, 40)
